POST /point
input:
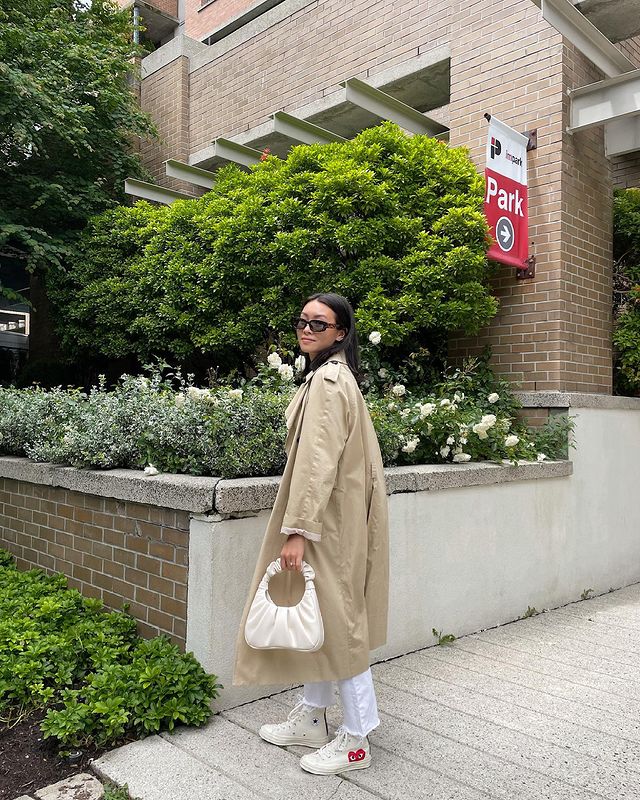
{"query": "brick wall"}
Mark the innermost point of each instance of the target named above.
(304, 57)
(165, 6)
(509, 62)
(626, 171)
(165, 95)
(202, 17)
(587, 254)
(119, 552)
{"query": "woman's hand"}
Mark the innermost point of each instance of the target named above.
(292, 553)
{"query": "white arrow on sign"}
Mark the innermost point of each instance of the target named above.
(505, 234)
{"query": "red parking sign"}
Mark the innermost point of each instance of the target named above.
(505, 200)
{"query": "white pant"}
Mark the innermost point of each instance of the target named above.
(358, 701)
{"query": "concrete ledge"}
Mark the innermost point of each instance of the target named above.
(577, 400)
(182, 492)
(256, 494)
(202, 495)
(180, 45)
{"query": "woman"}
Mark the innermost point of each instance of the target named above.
(331, 511)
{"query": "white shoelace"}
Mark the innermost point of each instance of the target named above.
(335, 745)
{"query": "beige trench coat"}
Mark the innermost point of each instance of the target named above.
(333, 486)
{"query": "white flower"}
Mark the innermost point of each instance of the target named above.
(198, 394)
(391, 406)
(444, 451)
(461, 457)
(493, 397)
(541, 456)
(426, 409)
(451, 440)
(375, 337)
(235, 393)
(481, 430)
(405, 412)
(286, 372)
(274, 360)
(445, 402)
(458, 397)
(411, 445)
(511, 441)
(488, 420)
(180, 400)
(399, 389)
(382, 372)
(299, 363)
(151, 470)
(463, 440)
(142, 381)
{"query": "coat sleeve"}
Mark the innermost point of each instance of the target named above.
(324, 432)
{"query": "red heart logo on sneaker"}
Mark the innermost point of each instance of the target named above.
(356, 755)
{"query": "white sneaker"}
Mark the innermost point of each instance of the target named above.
(305, 725)
(341, 754)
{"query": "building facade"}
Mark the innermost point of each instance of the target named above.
(222, 68)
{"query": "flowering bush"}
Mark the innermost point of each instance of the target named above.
(163, 423)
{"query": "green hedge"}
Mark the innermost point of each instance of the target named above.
(392, 222)
(99, 680)
(626, 246)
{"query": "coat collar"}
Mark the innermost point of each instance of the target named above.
(339, 356)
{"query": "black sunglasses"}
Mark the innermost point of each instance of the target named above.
(316, 325)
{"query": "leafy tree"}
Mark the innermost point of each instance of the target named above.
(392, 222)
(626, 310)
(68, 120)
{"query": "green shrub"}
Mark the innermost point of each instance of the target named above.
(98, 679)
(392, 222)
(626, 247)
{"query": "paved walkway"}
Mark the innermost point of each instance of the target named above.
(546, 708)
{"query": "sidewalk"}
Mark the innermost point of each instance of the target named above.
(546, 708)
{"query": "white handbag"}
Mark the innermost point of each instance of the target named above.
(272, 627)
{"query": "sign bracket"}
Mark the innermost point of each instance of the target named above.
(527, 270)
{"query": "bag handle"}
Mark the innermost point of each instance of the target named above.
(275, 567)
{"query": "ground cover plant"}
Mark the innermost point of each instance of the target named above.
(390, 221)
(97, 680)
(162, 422)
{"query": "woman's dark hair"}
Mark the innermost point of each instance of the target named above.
(345, 319)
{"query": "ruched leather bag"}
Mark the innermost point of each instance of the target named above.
(273, 627)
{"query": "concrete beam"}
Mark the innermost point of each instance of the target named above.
(622, 136)
(421, 82)
(156, 194)
(605, 101)
(617, 19)
(302, 131)
(568, 21)
(387, 107)
(185, 172)
(227, 150)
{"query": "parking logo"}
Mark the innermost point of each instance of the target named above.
(496, 147)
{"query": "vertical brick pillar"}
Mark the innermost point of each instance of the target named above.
(552, 331)
(165, 96)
